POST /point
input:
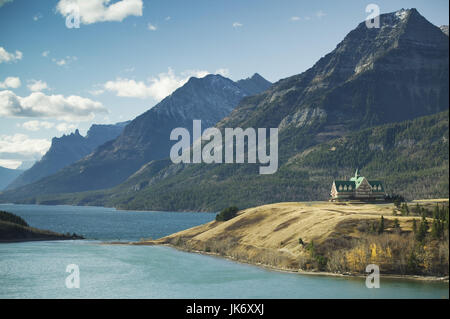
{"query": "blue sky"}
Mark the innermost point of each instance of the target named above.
(124, 59)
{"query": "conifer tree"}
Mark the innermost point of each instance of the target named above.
(381, 225)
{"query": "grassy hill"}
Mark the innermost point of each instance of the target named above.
(324, 236)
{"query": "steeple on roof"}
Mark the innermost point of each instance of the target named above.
(357, 178)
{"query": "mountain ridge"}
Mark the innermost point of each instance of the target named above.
(147, 137)
(66, 150)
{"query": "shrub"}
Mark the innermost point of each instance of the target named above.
(227, 214)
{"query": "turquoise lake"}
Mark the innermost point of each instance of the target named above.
(38, 269)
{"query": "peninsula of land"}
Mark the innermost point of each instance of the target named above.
(408, 240)
(15, 229)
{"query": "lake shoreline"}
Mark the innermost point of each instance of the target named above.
(284, 270)
(24, 240)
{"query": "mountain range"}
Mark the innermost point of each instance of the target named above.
(378, 102)
(68, 149)
(146, 138)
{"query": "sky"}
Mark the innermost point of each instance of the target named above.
(124, 56)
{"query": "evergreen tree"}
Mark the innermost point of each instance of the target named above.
(423, 230)
(436, 212)
(418, 210)
(436, 229)
(381, 225)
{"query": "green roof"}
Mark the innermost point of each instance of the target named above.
(356, 180)
(344, 183)
(378, 184)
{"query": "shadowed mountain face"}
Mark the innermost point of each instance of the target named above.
(7, 176)
(254, 85)
(146, 138)
(374, 76)
(66, 150)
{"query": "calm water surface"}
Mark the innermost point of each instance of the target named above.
(37, 269)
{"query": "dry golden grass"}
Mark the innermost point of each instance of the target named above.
(270, 234)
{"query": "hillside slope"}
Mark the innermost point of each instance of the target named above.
(411, 157)
(292, 236)
(7, 175)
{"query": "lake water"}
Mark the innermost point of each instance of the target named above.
(38, 269)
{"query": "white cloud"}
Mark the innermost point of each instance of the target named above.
(36, 125)
(223, 72)
(65, 127)
(10, 82)
(45, 53)
(320, 14)
(60, 62)
(37, 86)
(11, 164)
(38, 104)
(20, 147)
(97, 92)
(295, 18)
(157, 87)
(65, 61)
(237, 25)
(152, 27)
(168, 18)
(37, 17)
(5, 56)
(92, 11)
